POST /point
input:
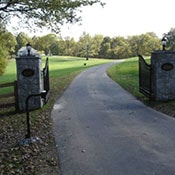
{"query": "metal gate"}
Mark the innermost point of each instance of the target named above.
(46, 80)
(144, 77)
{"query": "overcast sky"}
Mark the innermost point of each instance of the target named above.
(124, 18)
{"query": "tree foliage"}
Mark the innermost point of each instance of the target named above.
(22, 39)
(49, 13)
(105, 47)
(7, 47)
(87, 46)
(144, 44)
(3, 57)
(170, 39)
(120, 48)
(96, 46)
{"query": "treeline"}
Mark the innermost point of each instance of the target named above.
(97, 46)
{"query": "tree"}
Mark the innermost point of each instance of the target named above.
(10, 43)
(84, 45)
(120, 48)
(3, 56)
(144, 44)
(70, 48)
(5, 47)
(52, 44)
(105, 48)
(135, 43)
(47, 43)
(3, 59)
(62, 46)
(22, 39)
(171, 39)
(95, 45)
(37, 44)
(39, 13)
(150, 43)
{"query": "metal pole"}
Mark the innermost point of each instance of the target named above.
(43, 95)
(28, 119)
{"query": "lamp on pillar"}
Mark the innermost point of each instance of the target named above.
(28, 47)
(164, 41)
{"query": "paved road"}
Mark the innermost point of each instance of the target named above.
(101, 129)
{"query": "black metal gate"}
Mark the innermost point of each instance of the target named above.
(144, 77)
(46, 80)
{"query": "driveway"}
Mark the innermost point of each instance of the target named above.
(101, 129)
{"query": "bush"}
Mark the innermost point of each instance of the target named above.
(3, 60)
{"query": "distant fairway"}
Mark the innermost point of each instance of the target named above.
(60, 67)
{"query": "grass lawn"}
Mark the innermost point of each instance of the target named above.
(41, 158)
(127, 75)
(38, 158)
(59, 66)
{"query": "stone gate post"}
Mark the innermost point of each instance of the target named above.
(29, 77)
(163, 75)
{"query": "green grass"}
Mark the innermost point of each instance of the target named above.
(10, 73)
(62, 72)
(59, 67)
(127, 75)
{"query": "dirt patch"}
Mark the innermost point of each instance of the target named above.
(39, 157)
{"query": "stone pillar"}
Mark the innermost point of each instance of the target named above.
(163, 75)
(29, 80)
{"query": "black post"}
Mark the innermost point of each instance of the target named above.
(28, 119)
(87, 52)
(43, 95)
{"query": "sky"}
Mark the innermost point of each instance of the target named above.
(123, 18)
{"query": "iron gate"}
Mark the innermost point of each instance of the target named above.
(46, 79)
(144, 77)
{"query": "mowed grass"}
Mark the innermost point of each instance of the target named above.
(126, 74)
(10, 73)
(62, 70)
(59, 67)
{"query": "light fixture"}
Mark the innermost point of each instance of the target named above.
(28, 47)
(164, 41)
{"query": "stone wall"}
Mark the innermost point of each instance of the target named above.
(163, 75)
(29, 78)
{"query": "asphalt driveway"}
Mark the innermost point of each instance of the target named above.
(101, 129)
